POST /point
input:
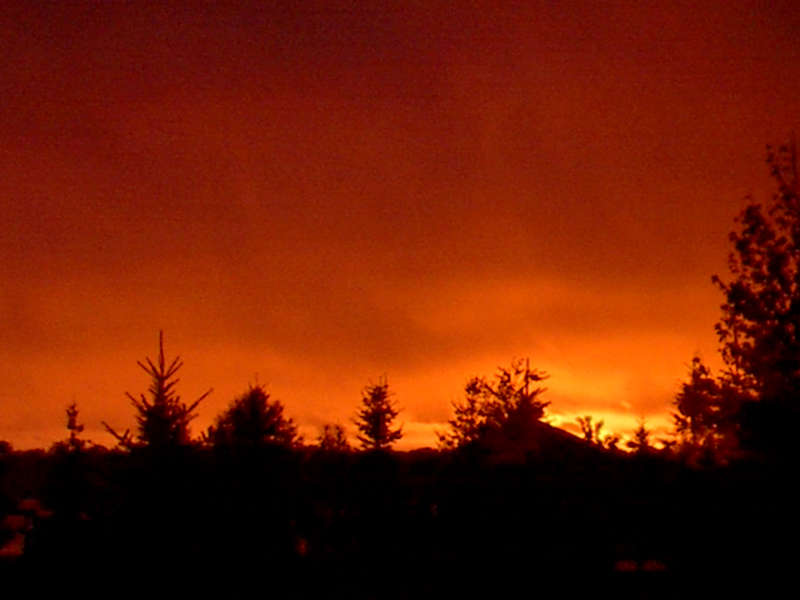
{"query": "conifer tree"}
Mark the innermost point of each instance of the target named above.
(253, 420)
(162, 419)
(374, 419)
(73, 443)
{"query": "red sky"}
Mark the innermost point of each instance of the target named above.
(311, 195)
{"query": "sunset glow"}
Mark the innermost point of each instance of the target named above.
(313, 197)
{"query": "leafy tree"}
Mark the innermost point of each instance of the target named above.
(333, 439)
(759, 331)
(162, 420)
(374, 419)
(253, 420)
(593, 433)
(761, 314)
(505, 407)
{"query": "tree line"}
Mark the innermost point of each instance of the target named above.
(249, 497)
(750, 406)
(496, 412)
(251, 420)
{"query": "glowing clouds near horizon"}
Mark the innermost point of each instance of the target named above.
(314, 198)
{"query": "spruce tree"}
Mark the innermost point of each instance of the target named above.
(253, 420)
(162, 419)
(375, 418)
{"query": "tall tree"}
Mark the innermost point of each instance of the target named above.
(760, 326)
(253, 420)
(759, 331)
(505, 407)
(162, 419)
(375, 417)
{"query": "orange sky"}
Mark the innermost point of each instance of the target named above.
(311, 197)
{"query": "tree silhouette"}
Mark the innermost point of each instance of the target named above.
(505, 407)
(593, 433)
(705, 421)
(759, 331)
(73, 443)
(374, 419)
(699, 403)
(162, 420)
(67, 484)
(253, 420)
(640, 444)
(761, 314)
(333, 439)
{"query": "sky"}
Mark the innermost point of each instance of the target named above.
(312, 195)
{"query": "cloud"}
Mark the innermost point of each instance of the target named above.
(323, 196)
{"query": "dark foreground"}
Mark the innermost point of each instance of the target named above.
(420, 524)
